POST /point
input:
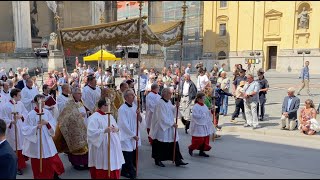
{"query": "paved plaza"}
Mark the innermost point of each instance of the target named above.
(241, 152)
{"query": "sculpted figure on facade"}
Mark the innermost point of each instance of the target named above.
(303, 19)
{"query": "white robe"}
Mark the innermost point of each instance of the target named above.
(31, 145)
(54, 112)
(91, 97)
(201, 124)
(61, 102)
(3, 100)
(162, 122)
(98, 143)
(7, 109)
(27, 96)
(7, 95)
(127, 121)
(152, 100)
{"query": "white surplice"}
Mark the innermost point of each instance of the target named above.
(127, 121)
(152, 100)
(201, 124)
(162, 122)
(98, 143)
(31, 145)
(91, 97)
(7, 109)
(6, 94)
(61, 102)
(27, 96)
(3, 100)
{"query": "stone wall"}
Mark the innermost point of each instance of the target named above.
(6, 21)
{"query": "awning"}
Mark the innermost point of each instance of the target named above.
(125, 32)
(106, 56)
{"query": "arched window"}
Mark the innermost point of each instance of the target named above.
(222, 55)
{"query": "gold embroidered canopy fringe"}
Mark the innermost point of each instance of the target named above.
(125, 32)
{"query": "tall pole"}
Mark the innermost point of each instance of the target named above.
(184, 8)
(139, 74)
(101, 21)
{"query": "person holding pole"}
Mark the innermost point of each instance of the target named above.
(127, 120)
(14, 114)
(163, 130)
(104, 144)
(38, 130)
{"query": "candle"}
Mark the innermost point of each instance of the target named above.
(109, 105)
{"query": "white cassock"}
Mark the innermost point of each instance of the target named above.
(162, 122)
(31, 143)
(27, 96)
(152, 100)
(7, 109)
(201, 124)
(3, 100)
(91, 97)
(98, 143)
(61, 102)
(6, 94)
(127, 122)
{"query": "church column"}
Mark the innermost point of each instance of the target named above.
(22, 26)
(95, 13)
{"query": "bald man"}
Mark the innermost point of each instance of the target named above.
(63, 97)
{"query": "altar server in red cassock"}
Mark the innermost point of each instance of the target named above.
(98, 144)
(201, 126)
(52, 165)
(15, 105)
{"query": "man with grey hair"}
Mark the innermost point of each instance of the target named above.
(152, 100)
(290, 108)
(127, 123)
(63, 98)
(163, 130)
(251, 99)
(10, 84)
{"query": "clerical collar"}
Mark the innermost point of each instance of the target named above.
(45, 94)
(65, 95)
(12, 102)
(6, 92)
(93, 88)
(154, 92)
(165, 100)
(129, 105)
(29, 87)
(100, 112)
(201, 104)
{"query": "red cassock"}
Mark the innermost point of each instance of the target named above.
(103, 174)
(200, 143)
(50, 101)
(22, 160)
(50, 166)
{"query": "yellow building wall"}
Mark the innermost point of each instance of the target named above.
(255, 25)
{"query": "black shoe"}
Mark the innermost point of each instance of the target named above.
(190, 152)
(181, 163)
(186, 130)
(80, 168)
(201, 153)
(56, 176)
(159, 163)
(19, 172)
(124, 174)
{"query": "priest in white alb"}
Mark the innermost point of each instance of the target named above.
(163, 129)
(201, 126)
(52, 165)
(91, 94)
(63, 98)
(27, 95)
(127, 121)
(151, 101)
(15, 105)
(97, 134)
(6, 91)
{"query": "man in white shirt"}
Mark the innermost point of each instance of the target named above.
(202, 81)
(163, 130)
(91, 94)
(28, 93)
(188, 69)
(5, 91)
(63, 98)
(225, 85)
(127, 120)
(98, 144)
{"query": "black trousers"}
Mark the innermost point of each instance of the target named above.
(185, 123)
(142, 101)
(239, 105)
(130, 163)
(261, 107)
(163, 151)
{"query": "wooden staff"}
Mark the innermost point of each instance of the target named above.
(184, 7)
(40, 120)
(109, 161)
(137, 134)
(15, 126)
(214, 106)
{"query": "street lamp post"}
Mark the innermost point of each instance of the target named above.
(254, 54)
(303, 52)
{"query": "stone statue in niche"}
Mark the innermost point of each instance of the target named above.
(33, 13)
(53, 42)
(303, 19)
